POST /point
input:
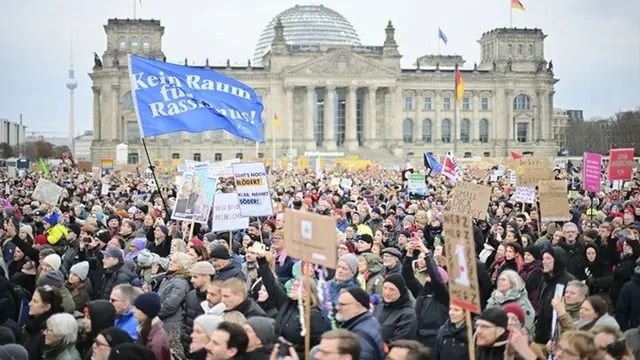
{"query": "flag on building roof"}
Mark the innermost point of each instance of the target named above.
(442, 36)
(516, 156)
(459, 84)
(517, 4)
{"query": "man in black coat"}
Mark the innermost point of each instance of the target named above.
(225, 267)
(574, 248)
(201, 274)
(627, 315)
(115, 273)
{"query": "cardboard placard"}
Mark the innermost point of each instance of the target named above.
(525, 194)
(554, 203)
(461, 263)
(226, 213)
(346, 183)
(253, 189)
(47, 192)
(532, 170)
(417, 187)
(84, 166)
(311, 237)
(471, 199)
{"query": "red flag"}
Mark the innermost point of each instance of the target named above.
(516, 156)
(450, 168)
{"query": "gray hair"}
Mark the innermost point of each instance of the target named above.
(129, 293)
(64, 325)
(582, 287)
(514, 279)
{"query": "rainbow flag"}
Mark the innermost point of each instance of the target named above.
(459, 84)
(517, 4)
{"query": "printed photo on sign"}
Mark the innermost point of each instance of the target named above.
(252, 189)
(195, 196)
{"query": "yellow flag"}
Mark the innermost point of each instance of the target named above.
(277, 122)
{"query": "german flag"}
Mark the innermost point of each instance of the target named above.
(459, 84)
(516, 4)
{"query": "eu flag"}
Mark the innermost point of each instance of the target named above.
(432, 163)
(170, 98)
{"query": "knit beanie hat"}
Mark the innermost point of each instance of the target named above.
(116, 336)
(27, 229)
(131, 352)
(515, 309)
(54, 261)
(202, 268)
(398, 281)
(352, 262)
(534, 251)
(81, 270)
(148, 303)
(496, 316)
(219, 252)
(360, 295)
(164, 229)
(264, 328)
(145, 258)
(208, 322)
(51, 219)
(139, 243)
(6, 336)
(13, 352)
(52, 278)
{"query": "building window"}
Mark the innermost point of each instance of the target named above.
(522, 102)
(122, 43)
(426, 130)
(510, 49)
(134, 43)
(467, 155)
(523, 131)
(175, 156)
(146, 45)
(427, 103)
(340, 117)
(126, 101)
(484, 103)
(520, 49)
(484, 130)
(466, 103)
(239, 156)
(407, 130)
(446, 103)
(465, 129)
(486, 154)
(133, 132)
(318, 118)
(408, 103)
(360, 116)
(446, 131)
(197, 157)
(217, 157)
(530, 49)
(260, 155)
(132, 158)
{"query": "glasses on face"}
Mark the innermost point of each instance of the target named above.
(483, 326)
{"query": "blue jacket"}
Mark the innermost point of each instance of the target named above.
(128, 323)
(335, 288)
(369, 332)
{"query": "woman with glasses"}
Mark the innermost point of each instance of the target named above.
(45, 302)
(106, 340)
(60, 338)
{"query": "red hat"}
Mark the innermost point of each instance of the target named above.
(41, 239)
(515, 309)
(196, 242)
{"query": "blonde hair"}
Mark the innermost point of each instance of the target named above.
(237, 286)
(235, 317)
(581, 343)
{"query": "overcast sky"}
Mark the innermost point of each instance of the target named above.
(594, 44)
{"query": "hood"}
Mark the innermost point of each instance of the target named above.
(560, 259)
(102, 315)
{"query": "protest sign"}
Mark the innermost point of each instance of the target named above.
(531, 170)
(195, 196)
(470, 199)
(525, 194)
(222, 169)
(591, 171)
(513, 177)
(554, 204)
(310, 237)
(621, 164)
(97, 173)
(84, 166)
(416, 186)
(335, 181)
(346, 183)
(47, 192)
(253, 189)
(226, 213)
(461, 264)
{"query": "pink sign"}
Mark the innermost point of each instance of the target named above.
(591, 171)
(621, 164)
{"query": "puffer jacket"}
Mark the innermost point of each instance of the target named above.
(369, 333)
(519, 297)
(192, 309)
(56, 233)
(452, 342)
(172, 291)
(397, 319)
(113, 276)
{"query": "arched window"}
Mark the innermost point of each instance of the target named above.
(510, 47)
(484, 130)
(465, 126)
(122, 43)
(520, 49)
(530, 49)
(146, 44)
(134, 43)
(446, 131)
(426, 130)
(522, 102)
(407, 130)
(126, 102)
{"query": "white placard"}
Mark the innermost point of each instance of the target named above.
(346, 183)
(513, 177)
(525, 194)
(226, 213)
(335, 181)
(253, 189)
(47, 192)
(104, 190)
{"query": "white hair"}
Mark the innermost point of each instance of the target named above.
(514, 279)
(64, 325)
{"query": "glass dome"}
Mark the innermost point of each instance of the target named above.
(308, 25)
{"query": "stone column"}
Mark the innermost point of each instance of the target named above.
(540, 116)
(309, 133)
(370, 119)
(97, 115)
(475, 121)
(396, 106)
(117, 122)
(436, 124)
(499, 119)
(329, 126)
(351, 130)
(417, 122)
(289, 117)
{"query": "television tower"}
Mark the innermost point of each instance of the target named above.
(71, 84)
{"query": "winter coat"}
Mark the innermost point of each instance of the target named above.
(495, 352)
(249, 308)
(627, 314)
(432, 300)
(80, 293)
(158, 341)
(173, 290)
(452, 342)
(228, 272)
(632, 338)
(373, 283)
(192, 309)
(575, 259)
(621, 275)
(128, 323)
(284, 267)
(61, 352)
(102, 315)
(8, 303)
(598, 276)
(397, 319)
(369, 333)
(163, 249)
(335, 288)
(56, 233)
(33, 336)
(558, 275)
(116, 275)
(533, 276)
(519, 297)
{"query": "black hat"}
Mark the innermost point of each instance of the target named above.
(148, 303)
(398, 281)
(496, 316)
(116, 336)
(131, 352)
(366, 238)
(534, 251)
(377, 211)
(360, 295)
(75, 228)
(219, 252)
(103, 235)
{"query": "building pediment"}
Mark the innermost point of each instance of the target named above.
(341, 63)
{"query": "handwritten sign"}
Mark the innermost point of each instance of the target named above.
(47, 192)
(471, 199)
(525, 194)
(461, 264)
(531, 170)
(226, 213)
(554, 204)
(253, 189)
(310, 237)
(591, 171)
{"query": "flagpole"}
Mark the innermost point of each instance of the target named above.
(511, 15)
(273, 145)
(134, 9)
(455, 122)
(153, 172)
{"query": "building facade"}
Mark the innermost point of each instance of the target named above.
(560, 125)
(348, 98)
(83, 146)
(12, 133)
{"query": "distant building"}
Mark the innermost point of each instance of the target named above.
(575, 115)
(53, 140)
(12, 133)
(83, 146)
(559, 126)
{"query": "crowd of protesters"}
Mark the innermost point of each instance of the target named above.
(109, 275)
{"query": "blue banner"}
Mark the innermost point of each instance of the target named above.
(431, 162)
(170, 98)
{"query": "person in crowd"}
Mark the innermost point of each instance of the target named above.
(201, 274)
(611, 344)
(261, 334)
(161, 243)
(14, 352)
(213, 305)
(151, 333)
(352, 312)
(491, 334)
(575, 293)
(98, 315)
(573, 246)
(122, 297)
(597, 272)
(115, 273)
(593, 313)
(512, 258)
(60, 338)
(511, 289)
(173, 291)
(452, 342)
(200, 335)
(532, 274)
(234, 298)
(131, 352)
(345, 276)
(628, 315)
(46, 301)
(370, 273)
(408, 349)
(228, 341)
(391, 259)
(79, 285)
(576, 345)
(396, 314)
(225, 268)
(363, 244)
(343, 343)
(56, 279)
(625, 267)
(106, 341)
